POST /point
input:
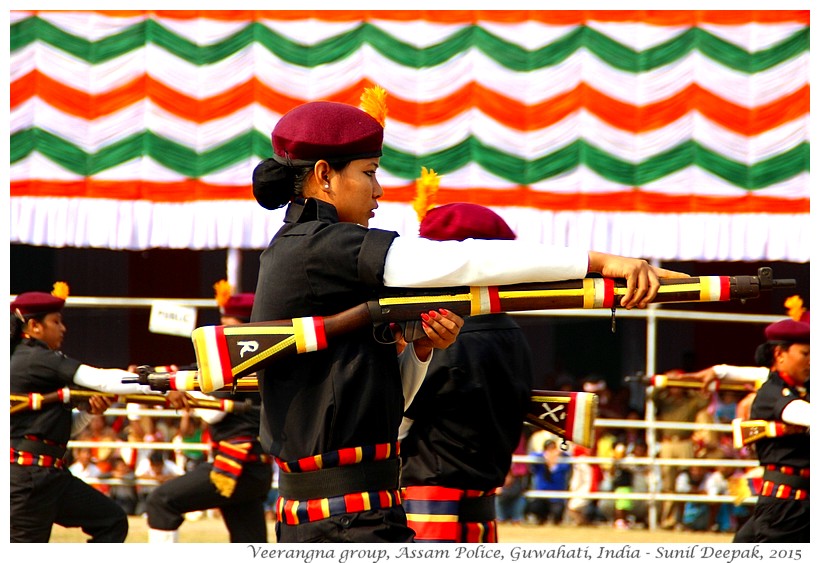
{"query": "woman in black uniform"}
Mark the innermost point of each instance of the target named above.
(238, 478)
(332, 417)
(781, 514)
(465, 422)
(43, 491)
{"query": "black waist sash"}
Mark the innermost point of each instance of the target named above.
(336, 481)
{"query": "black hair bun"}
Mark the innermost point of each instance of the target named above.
(272, 184)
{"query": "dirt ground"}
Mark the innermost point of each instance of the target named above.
(212, 530)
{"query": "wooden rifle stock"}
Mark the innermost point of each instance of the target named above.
(227, 353)
(745, 432)
(568, 414)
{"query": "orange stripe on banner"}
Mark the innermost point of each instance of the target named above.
(507, 111)
(519, 196)
(554, 17)
(635, 200)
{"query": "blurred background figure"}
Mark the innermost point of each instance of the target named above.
(550, 472)
(676, 404)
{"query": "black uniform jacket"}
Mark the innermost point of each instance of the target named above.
(771, 399)
(349, 394)
(468, 413)
(37, 369)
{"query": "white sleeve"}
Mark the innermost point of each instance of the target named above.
(209, 416)
(79, 420)
(413, 372)
(109, 381)
(797, 412)
(419, 262)
(404, 427)
(741, 374)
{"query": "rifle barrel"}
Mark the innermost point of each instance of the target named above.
(228, 353)
(35, 401)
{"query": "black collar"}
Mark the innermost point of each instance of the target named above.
(302, 210)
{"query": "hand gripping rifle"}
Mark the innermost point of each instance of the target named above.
(36, 401)
(226, 353)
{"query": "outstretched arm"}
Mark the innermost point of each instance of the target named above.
(418, 262)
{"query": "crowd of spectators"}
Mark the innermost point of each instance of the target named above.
(128, 474)
(556, 466)
(544, 462)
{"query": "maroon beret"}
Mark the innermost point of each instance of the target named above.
(788, 331)
(329, 131)
(37, 302)
(238, 305)
(459, 221)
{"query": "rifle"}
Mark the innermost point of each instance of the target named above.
(745, 432)
(661, 381)
(567, 414)
(227, 353)
(36, 401)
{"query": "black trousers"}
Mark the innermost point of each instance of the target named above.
(243, 512)
(776, 521)
(371, 526)
(42, 496)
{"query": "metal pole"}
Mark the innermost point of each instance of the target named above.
(651, 436)
(234, 269)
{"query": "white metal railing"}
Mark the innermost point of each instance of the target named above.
(652, 461)
(652, 314)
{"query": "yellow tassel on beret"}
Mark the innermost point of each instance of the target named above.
(374, 103)
(60, 290)
(426, 189)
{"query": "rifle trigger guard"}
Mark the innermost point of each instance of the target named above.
(382, 338)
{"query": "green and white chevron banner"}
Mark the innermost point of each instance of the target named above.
(670, 135)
